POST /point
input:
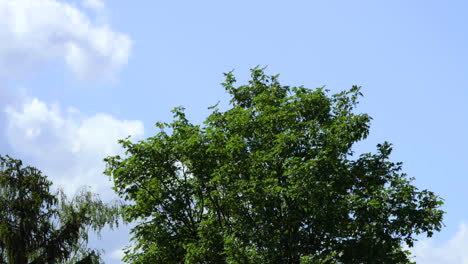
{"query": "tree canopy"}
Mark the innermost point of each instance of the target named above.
(273, 179)
(39, 227)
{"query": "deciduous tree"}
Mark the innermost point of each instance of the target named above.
(273, 179)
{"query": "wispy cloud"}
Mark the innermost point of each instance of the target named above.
(96, 5)
(117, 254)
(32, 32)
(453, 251)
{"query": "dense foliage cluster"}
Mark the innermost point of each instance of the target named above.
(273, 179)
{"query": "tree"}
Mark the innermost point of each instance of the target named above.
(273, 179)
(38, 227)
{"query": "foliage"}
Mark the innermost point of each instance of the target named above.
(37, 226)
(273, 179)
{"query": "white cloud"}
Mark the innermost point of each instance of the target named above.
(68, 147)
(117, 254)
(453, 251)
(96, 5)
(33, 32)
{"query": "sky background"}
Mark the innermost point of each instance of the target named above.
(76, 76)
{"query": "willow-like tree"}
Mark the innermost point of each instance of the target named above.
(273, 179)
(40, 227)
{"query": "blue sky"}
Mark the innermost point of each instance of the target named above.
(75, 76)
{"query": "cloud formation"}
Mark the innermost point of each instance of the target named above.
(454, 251)
(34, 32)
(117, 254)
(68, 147)
(96, 5)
